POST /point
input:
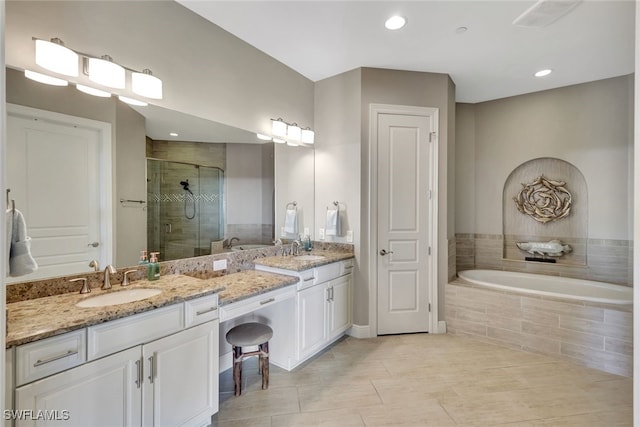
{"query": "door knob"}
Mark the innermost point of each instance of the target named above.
(384, 252)
(94, 244)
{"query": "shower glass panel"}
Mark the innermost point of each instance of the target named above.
(184, 208)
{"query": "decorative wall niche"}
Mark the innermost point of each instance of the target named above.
(545, 199)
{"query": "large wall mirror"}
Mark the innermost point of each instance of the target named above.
(179, 195)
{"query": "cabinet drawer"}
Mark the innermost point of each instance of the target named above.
(327, 272)
(130, 331)
(51, 355)
(248, 305)
(346, 267)
(200, 310)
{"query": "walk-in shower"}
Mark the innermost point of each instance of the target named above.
(185, 210)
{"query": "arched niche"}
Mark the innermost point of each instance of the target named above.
(519, 226)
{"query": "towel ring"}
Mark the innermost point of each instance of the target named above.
(294, 204)
(13, 202)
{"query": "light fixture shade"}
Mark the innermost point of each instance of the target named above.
(106, 73)
(308, 136)
(147, 85)
(263, 137)
(294, 132)
(93, 91)
(279, 141)
(43, 78)
(292, 143)
(132, 101)
(55, 57)
(278, 128)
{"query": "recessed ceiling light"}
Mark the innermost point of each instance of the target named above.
(395, 22)
(173, 134)
(543, 73)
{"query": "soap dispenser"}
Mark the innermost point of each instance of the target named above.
(143, 258)
(153, 269)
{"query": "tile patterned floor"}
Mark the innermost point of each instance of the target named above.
(427, 380)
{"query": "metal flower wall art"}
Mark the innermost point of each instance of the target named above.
(544, 200)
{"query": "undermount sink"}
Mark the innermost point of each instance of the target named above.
(310, 257)
(119, 297)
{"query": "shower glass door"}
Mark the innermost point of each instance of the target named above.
(184, 208)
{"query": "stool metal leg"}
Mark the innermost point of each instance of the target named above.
(237, 370)
(264, 364)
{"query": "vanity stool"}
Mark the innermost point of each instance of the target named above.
(248, 335)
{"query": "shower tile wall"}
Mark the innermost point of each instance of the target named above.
(607, 260)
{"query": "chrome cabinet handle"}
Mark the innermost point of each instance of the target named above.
(152, 367)
(310, 279)
(54, 358)
(139, 373)
(208, 310)
(267, 301)
(384, 252)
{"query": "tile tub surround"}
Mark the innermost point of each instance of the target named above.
(595, 335)
(237, 261)
(40, 318)
(606, 260)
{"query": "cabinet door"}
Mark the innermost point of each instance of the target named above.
(181, 377)
(340, 305)
(312, 315)
(105, 392)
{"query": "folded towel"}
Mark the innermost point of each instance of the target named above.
(20, 260)
(291, 221)
(332, 227)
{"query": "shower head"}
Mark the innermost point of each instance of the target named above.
(185, 185)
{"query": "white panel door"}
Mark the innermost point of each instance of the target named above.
(404, 184)
(53, 171)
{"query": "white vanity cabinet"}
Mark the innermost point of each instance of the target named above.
(161, 381)
(323, 306)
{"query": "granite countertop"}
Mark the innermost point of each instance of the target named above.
(35, 319)
(294, 263)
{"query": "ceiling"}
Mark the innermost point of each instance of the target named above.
(492, 59)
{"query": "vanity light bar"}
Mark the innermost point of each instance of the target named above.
(54, 56)
(292, 134)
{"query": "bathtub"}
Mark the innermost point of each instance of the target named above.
(582, 321)
(550, 286)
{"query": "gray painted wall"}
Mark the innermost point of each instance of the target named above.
(588, 125)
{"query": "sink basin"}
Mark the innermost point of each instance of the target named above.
(119, 297)
(245, 247)
(310, 257)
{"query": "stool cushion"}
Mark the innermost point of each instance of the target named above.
(248, 334)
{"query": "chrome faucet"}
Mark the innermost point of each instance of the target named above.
(295, 245)
(230, 244)
(110, 269)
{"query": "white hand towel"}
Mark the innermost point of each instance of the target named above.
(291, 221)
(332, 228)
(20, 260)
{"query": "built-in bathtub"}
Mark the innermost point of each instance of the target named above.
(552, 286)
(583, 321)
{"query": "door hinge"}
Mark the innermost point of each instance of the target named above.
(429, 307)
(432, 136)
(429, 250)
(430, 192)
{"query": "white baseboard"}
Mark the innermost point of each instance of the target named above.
(359, 331)
(225, 361)
(442, 327)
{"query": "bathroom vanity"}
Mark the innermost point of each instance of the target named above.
(156, 361)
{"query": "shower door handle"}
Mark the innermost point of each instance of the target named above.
(167, 228)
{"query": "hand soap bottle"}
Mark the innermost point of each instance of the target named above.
(143, 258)
(153, 269)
